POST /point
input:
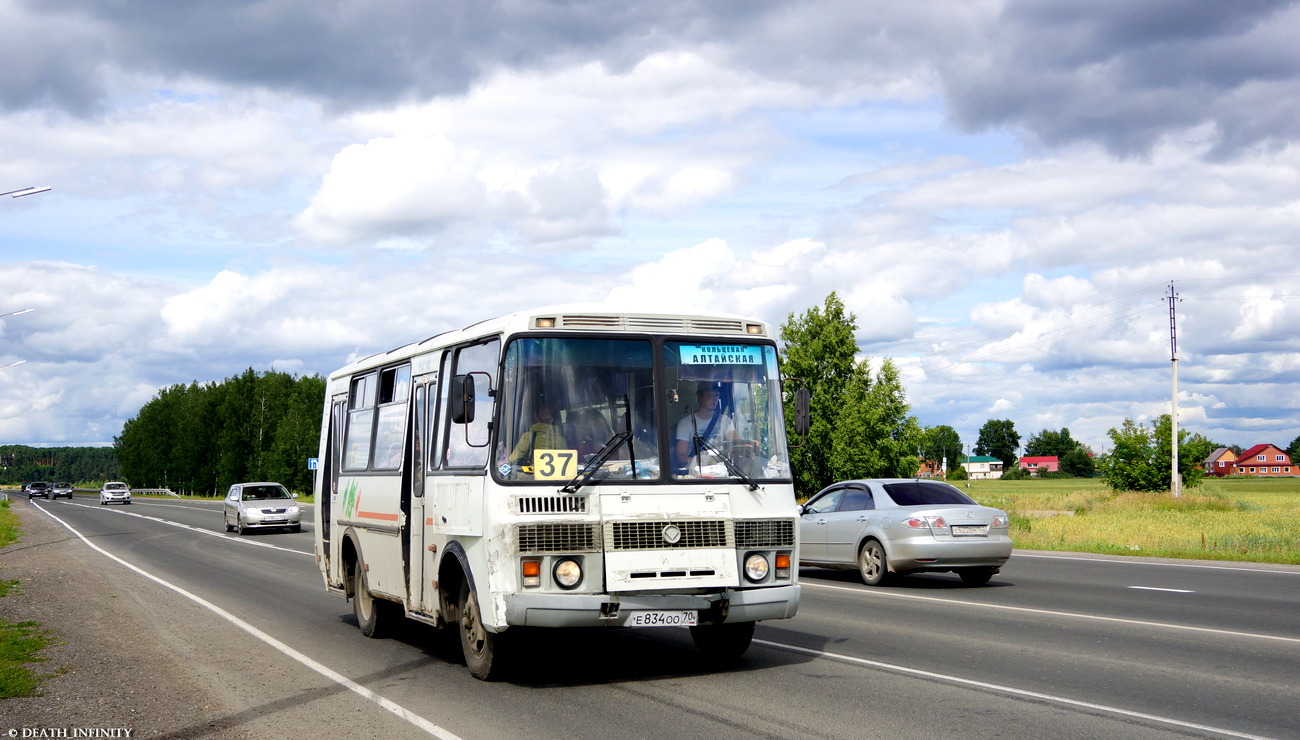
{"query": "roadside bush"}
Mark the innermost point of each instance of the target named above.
(1014, 474)
(957, 473)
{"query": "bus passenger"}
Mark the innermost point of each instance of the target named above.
(592, 433)
(544, 434)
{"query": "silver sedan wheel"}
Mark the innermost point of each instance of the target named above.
(872, 563)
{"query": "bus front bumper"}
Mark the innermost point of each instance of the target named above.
(617, 610)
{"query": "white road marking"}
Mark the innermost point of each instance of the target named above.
(222, 535)
(332, 675)
(197, 504)
(1007, 690)
(1170, 590)
(1161, 565)
(1069, 615)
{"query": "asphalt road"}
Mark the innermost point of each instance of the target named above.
(1055, 646)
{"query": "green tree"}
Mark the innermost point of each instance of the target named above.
(818, 354)
(1048, 443)
(1078, 463)
(998, 438)
(874, 436)
(1196, 448)
(1141, 457)
(202, 438)
(859, 427)
(1293, 450)
(939, 442)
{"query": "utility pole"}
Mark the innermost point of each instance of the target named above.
(1175, 480)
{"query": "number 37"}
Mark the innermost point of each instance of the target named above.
(555, 464)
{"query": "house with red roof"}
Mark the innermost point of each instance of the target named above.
(1043, 464)
(1264, 460)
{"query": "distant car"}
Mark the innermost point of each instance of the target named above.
(115, 491)
(259, 506)
(38, 488)
(61, 489)
(900, 526)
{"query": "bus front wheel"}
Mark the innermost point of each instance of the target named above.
(726, 641)
(482, 648)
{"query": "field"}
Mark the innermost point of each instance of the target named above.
(1247, 519)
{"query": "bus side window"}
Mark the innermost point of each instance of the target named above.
(390, 426)
(417, 441)
(467, 444)
(361, 419)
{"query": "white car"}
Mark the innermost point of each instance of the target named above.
(115, 492)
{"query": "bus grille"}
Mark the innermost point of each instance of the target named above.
(551, 504)
(765, 533)
(559, 537)
(649, 535)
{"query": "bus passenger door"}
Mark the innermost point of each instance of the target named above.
(329, 493)
(416, 592)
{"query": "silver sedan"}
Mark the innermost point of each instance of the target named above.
(900, 526)
(261, 505)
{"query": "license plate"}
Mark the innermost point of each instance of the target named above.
(663, 619)
(273, 519)
(968, 530)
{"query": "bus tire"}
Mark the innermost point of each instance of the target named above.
(723, 642)
(482, 649)
(375, 617)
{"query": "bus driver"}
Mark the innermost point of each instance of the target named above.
(707, 421)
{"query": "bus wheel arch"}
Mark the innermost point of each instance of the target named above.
(376, 617)
(462, 612)
(349, 556)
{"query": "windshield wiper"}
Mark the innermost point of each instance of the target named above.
(595, 462)
(702, 444)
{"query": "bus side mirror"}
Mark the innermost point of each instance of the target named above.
(461, 397)
(802, 414)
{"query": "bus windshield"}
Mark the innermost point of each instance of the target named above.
(567, 403)
(564, 400)
(727, 421)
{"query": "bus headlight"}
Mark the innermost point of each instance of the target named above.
(567, 573)
(756, 567)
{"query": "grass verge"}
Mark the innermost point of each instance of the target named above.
(19, 644)
(1243, 519)
(8, 524)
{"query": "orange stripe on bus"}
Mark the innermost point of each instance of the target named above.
(377, 515)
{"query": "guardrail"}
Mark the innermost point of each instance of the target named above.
(156, 491)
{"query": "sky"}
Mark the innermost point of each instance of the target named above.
(1002, 192)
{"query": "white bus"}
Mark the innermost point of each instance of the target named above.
(564, 467)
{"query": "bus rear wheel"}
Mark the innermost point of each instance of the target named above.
(375, 617)
(482, 648)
